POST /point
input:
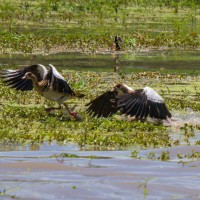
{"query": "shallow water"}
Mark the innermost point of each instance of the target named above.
(145, 60)
(111, 175)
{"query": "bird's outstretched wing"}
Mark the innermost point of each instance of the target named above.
(133, 104)
(57, 82)
(143, 103)
(14, 78)
(103, 105)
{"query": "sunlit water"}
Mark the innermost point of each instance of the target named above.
(30, 172)
(111, 175)
(145, 60)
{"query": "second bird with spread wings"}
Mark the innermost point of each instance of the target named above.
(139, 104)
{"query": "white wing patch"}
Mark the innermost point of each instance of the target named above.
(56, 73)
(42, 70)
(152, 95)
(10, 70)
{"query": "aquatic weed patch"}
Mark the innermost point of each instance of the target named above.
(112, 133)
(35, 126)
(23, 119)
(165, 155)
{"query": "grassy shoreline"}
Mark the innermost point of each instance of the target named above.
(84, 26)
(33, 43)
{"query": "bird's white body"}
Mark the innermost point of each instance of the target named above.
(53, 95)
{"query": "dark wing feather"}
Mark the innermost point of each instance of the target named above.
(158, 110)
(103, 105)
(140, 109)
(133, 104)
(13, 78)
(157, 107)
(143, 103)
(57, 82)
(166, 111)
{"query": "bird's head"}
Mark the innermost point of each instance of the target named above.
(122, 88)
(118, 86)
(29, 75)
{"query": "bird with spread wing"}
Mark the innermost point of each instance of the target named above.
(140, 104)
(49, 83)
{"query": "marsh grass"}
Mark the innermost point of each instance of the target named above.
(90, 26)
(92, 42)
(24, 121)
(165, 156)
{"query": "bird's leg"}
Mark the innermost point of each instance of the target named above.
(169, 121)
(53, 108)
(75, 115)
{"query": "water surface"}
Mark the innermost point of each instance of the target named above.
(110, 175)
(145, 60)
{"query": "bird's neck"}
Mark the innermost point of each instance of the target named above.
(36, 84)
(34, 81)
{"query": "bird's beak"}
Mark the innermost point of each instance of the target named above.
(24, 77)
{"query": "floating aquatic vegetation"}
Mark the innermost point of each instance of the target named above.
(23, 119)
(165, 155)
